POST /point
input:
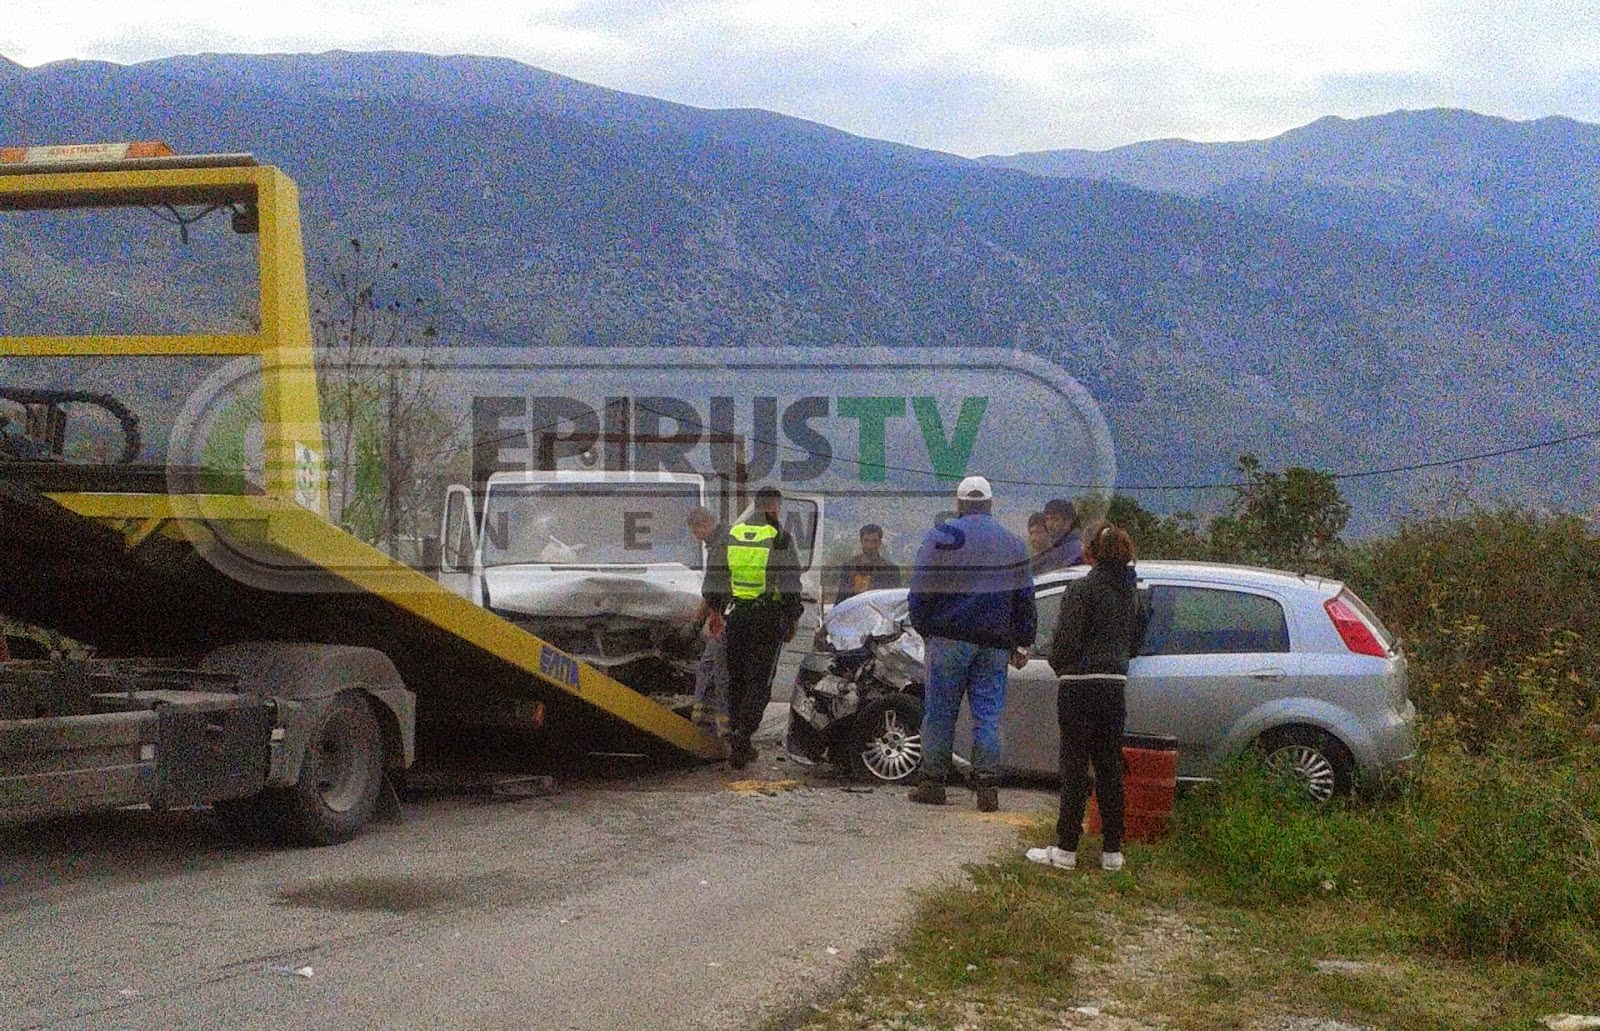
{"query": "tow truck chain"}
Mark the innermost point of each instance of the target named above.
(29, 397)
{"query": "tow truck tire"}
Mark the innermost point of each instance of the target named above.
(340, 779)
(338, 788)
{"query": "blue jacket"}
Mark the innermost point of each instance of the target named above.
(972, 583)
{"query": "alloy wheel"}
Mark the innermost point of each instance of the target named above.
(1309, 767)
(895, 751)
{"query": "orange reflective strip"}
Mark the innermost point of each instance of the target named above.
(71, 152)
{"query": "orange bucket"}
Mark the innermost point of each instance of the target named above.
(1149, 788)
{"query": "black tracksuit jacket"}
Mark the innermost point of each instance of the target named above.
(1101, 624)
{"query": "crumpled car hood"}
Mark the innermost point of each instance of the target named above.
(872, 612)
(666, 594)
(875, 613)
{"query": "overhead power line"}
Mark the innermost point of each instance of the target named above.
(1497, 453)
(1356, 474)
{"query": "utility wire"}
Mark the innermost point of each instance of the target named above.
(700, 427)
(1514, 450)
(1227, 485)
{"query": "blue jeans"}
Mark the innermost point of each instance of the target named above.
(711, 687)
(957, 668)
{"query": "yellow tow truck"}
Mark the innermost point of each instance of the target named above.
(291, 700)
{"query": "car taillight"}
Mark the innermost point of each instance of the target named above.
(1353, 630)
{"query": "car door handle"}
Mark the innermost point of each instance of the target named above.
(1270, 674)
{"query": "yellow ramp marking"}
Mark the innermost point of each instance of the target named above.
(1024, 820)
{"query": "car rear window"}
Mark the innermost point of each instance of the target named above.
(1212, 621)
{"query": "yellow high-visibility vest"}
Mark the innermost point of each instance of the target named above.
(749, 548)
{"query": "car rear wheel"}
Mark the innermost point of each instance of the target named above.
(1313, 758)
(886, 740)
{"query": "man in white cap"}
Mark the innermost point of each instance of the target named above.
(972, 602)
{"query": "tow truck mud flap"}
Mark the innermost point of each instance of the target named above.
(211, 750)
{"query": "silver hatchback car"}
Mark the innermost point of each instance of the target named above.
(1235, 658)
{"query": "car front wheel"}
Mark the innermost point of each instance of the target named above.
(1315, 759)
(886, 740)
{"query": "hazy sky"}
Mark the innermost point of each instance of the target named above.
(969, 76)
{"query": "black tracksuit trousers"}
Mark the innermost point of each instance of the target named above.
(754, 637)
(1093, 713)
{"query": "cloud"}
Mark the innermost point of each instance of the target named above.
(961, 75)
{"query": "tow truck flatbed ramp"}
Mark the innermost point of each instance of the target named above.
(143, 574)
(140, 563)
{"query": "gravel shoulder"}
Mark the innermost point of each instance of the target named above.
(663, 900)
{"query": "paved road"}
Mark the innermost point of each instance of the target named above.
(662, 901)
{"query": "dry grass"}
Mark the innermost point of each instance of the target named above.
(1023, 947)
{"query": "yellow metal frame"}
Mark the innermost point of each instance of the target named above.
(290, 414)
(288, 520)
(268, 530)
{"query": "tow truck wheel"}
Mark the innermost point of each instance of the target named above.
(341, 778)
(340, 782)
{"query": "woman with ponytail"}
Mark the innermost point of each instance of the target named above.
(1100, 627)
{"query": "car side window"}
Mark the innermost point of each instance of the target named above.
(1049, 604)
(1213, 621)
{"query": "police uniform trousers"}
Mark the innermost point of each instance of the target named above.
(754, 638)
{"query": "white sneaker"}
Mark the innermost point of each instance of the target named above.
(1111, 861)
(1059, 858)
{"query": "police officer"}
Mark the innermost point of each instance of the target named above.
(753, 576)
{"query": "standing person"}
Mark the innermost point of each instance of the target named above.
(972, 602)
(1038, 536)
(755, 578)
(1100, 627)
(868, 570)
(1066, 543)
(711, 674)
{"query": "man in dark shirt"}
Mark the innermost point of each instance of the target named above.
(1038, 536)
(869, 570)
(1066, 543)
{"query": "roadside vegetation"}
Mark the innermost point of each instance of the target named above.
(1465, 894)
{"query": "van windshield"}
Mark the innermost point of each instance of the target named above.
(590, 524)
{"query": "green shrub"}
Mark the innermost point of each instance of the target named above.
(1253, 836)
(1497, 611)
(1497, 854)
(1501, 853)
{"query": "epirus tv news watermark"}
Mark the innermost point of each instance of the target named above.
(874, 435)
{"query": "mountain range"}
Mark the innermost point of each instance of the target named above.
(1351, 295)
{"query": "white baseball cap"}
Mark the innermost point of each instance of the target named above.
(974, 488)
